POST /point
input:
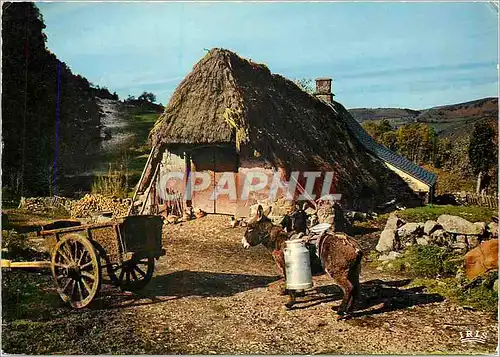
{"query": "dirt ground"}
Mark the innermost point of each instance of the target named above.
(210, 296)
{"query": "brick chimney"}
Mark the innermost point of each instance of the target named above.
(324, 89)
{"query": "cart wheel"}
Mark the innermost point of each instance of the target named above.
(133, 274)
(76, 270)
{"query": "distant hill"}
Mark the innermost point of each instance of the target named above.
(448, 120)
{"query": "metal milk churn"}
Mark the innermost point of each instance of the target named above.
(297, 266)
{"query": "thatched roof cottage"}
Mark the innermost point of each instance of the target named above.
(233, 115)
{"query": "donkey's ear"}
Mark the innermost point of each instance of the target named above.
(268, 211)
(260, 212)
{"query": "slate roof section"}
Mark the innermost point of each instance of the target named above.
(387, 155)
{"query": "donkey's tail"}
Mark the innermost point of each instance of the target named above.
(359, 256)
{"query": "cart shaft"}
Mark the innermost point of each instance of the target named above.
(10, 264)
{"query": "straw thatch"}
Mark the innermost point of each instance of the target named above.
(232, 101)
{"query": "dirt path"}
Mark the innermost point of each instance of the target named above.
(210, 296)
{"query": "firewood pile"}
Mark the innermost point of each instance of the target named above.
(90, 203)
(45, 204)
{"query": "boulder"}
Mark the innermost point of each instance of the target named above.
(492, 229)
(387, 241)
(482, 259)
(393, 222)
(461, 239)
(460, 247)
(390, 256)
(430, 226)
(482, 226)
(473, 242)
(410, 230)
(458, 225)
(439, 237)
(423, 240)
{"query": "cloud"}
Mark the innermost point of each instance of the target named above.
(147, 82)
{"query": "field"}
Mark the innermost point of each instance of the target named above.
(210, 296)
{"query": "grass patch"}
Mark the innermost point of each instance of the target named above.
(114, 184)
(423, 261)
(435, 268)
(135, 150)
(430, 261)
(480, 296)
(424, 213)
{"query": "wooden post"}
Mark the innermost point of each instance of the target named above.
(139, 183)
(149, 189)
(187, 179)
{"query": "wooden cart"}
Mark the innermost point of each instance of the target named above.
(124, 248)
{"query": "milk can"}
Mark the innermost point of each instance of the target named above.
(297, 266)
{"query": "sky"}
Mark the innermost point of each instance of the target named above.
(398, 54)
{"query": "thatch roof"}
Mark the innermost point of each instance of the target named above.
(230, 100)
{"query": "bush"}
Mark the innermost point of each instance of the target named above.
(424, 260)
(114, 184)
(13, 241)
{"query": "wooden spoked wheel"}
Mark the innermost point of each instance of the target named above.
(133, 274)
(76, 270)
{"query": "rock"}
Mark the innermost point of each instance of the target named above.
(387, 241)
(482, 259)
(310, 211)
(461, 239)
(438, 237)
(492, 229)
(327, 219)
(473, 242)
(430, 226)
(423, 240)
(393, 222)
(481, 225)
(325, 212)
(410, 229)
(459, 246)
(391, 256)
(313, 220)
(458, 225)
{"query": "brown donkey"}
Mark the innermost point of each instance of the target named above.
(340, 256)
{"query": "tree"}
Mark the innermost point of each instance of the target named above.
(305, 84)
(482, 152)
(376, 128)
(390, 140)
(49, 116)
(147, 97)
